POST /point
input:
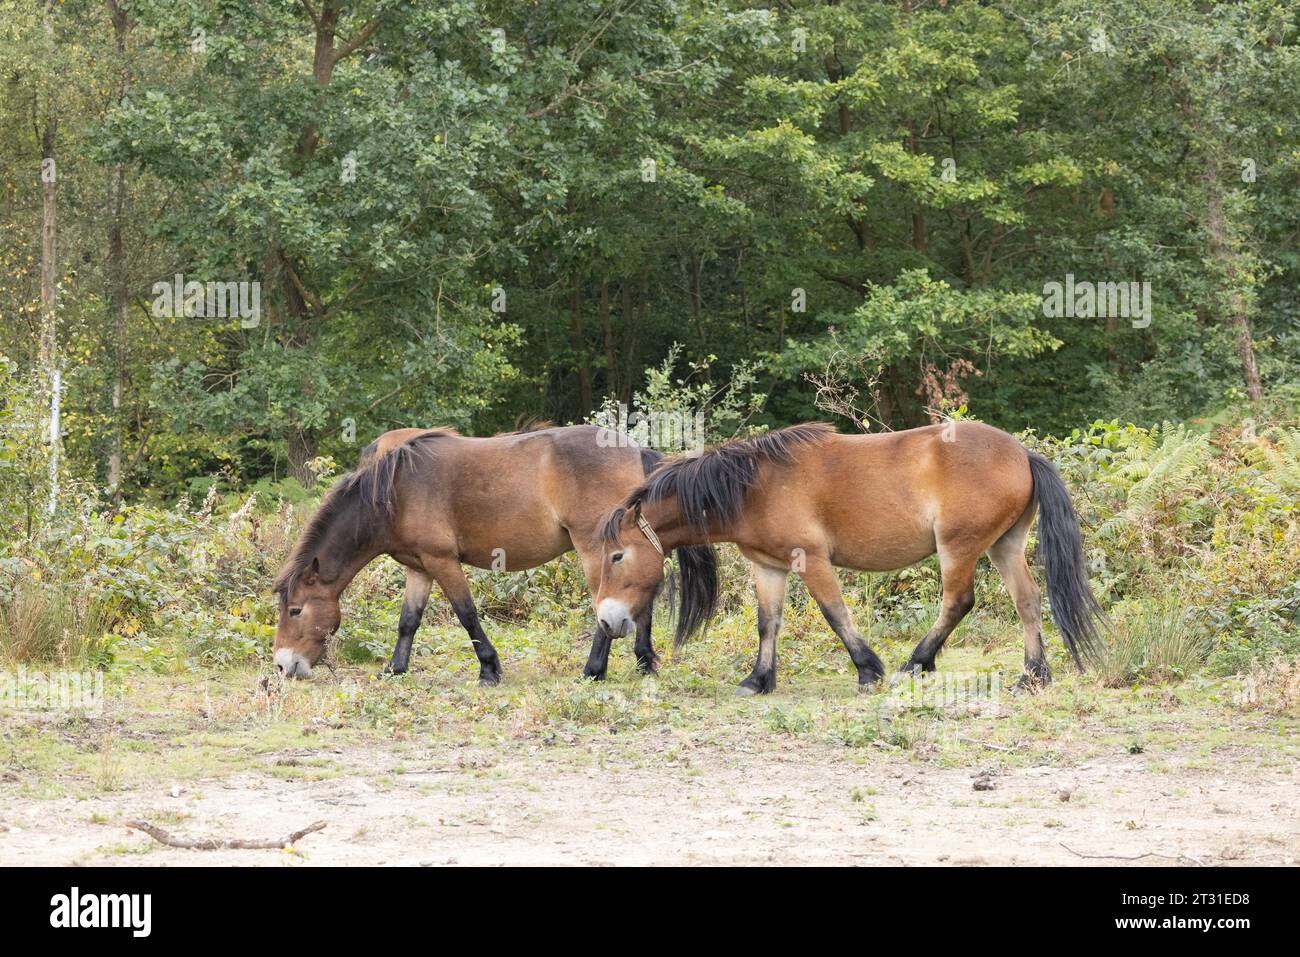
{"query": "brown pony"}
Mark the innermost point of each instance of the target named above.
(807, 499)
(433, 499)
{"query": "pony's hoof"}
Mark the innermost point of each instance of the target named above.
(489, 680)
(756, 684)
(593, 675)
(1029, 684)
(649, 666)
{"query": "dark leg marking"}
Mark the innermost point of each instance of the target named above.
(489, 670)
(598, 660)
(954, 609)
(407, 625)
(647, 662)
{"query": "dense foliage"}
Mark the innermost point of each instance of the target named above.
(466, 212)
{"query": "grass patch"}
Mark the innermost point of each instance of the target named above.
(1152, 643)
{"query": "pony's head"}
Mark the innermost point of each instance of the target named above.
(309, 615)
(632, 570)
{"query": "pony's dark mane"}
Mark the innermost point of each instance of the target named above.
(361, 503)
(712, 486)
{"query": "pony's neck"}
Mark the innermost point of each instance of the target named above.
(342, 559)
(666, 520)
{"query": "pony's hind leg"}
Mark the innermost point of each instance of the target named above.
(769, 589)
(824, 586)
(957, 574)
(1008, 556)
(418, 586)
(451, 579)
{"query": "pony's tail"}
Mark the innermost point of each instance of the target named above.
(1075, 609)
(696, 585)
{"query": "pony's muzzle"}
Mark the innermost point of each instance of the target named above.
(614, 617)
(291, 664)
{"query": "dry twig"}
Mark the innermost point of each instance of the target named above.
(1133, 857)
(219, 844)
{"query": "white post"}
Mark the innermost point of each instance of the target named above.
(54, 439)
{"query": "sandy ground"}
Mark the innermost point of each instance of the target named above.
(784, 802)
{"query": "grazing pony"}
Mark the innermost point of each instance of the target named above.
(434, 500)
(807, 499)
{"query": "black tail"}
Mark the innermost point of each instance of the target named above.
(695, 581)
(1075, 609)
(697, 585)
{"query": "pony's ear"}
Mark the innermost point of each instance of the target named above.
(312, 574)
(635, 512)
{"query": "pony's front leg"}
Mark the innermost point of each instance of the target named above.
(451, 579)
(418, 586)
(598, 660)
(647, 662)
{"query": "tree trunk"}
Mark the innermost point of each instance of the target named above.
(629, 341)
(697, 299)
(607, 327)
(302, 449)
(49, 246)
(919, 242)
(117, 272)
(579, 336)
(304, 309)
(1233, 301)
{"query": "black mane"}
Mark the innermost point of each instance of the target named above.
(713, 485)
(359, 506)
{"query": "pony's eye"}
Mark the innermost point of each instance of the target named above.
(615, 558)
(295, 612)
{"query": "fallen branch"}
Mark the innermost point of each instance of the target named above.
(219, 844)
(1133, 857)
(985, 744)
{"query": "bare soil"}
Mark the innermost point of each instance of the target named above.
(671, 798)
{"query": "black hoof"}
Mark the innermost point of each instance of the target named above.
(912, 667)
(1036, 677)
(869, 683)
(756, 684)
(648, 666)
(489, 677)
(593, 674)
(1031, 684)
(389, 671)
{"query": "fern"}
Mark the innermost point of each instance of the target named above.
(1150, 470)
